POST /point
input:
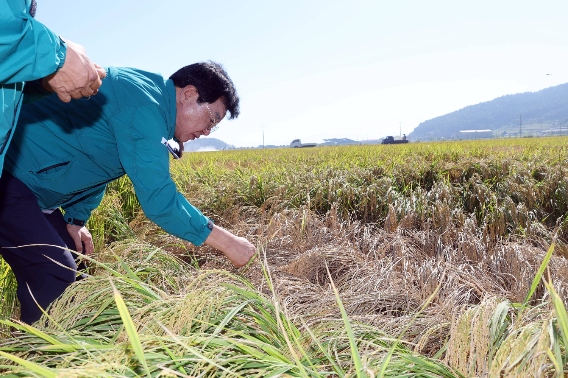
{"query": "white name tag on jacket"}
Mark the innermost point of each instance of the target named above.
(165, 143)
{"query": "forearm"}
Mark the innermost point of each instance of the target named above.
(237, 249)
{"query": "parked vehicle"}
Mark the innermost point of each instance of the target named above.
(297, 143)
(391, 140)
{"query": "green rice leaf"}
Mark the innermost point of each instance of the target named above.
(143, 289)
(230, 315)
(103, 307)
(130, 329)
(352, 343)
(555, 341)
(560, 310)
(426, 365)
(537, 278)
(172, 356)
(337, 368)
(499, 324)
(554, 361)
(33, 331)
(129, 271)
(74, 347)
(46, 372)
(197, 353)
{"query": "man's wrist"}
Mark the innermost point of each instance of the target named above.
(74, 221)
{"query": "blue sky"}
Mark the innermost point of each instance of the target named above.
(332, 69)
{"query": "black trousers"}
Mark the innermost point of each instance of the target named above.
(22, 223)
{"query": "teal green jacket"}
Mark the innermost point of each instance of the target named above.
(28, 51)
(67, 153)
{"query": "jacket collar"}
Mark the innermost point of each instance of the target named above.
(170, 96)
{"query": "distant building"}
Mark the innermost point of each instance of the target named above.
(557, 131)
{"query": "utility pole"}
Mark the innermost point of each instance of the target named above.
(520, 124)
(400, 125)
(262, 136)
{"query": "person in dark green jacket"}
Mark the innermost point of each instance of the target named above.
(30, 51)
(67, 153)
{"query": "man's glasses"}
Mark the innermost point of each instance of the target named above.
(213, 126)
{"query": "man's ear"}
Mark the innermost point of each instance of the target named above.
(189, 93)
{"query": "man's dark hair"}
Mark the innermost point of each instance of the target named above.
(212, 83)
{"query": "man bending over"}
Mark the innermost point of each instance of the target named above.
(65, 154)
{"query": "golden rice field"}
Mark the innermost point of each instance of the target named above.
(420, 260)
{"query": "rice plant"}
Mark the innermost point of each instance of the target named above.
(429, 260)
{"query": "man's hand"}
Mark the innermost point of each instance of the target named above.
(238, 250)
(81, 234)
(78, 77)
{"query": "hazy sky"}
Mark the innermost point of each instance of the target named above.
(332, 69)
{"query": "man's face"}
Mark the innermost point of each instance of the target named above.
(193, 119)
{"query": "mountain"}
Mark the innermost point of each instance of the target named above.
(206, 144)
(539, 111)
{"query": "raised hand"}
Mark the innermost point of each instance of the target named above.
(78, 77)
